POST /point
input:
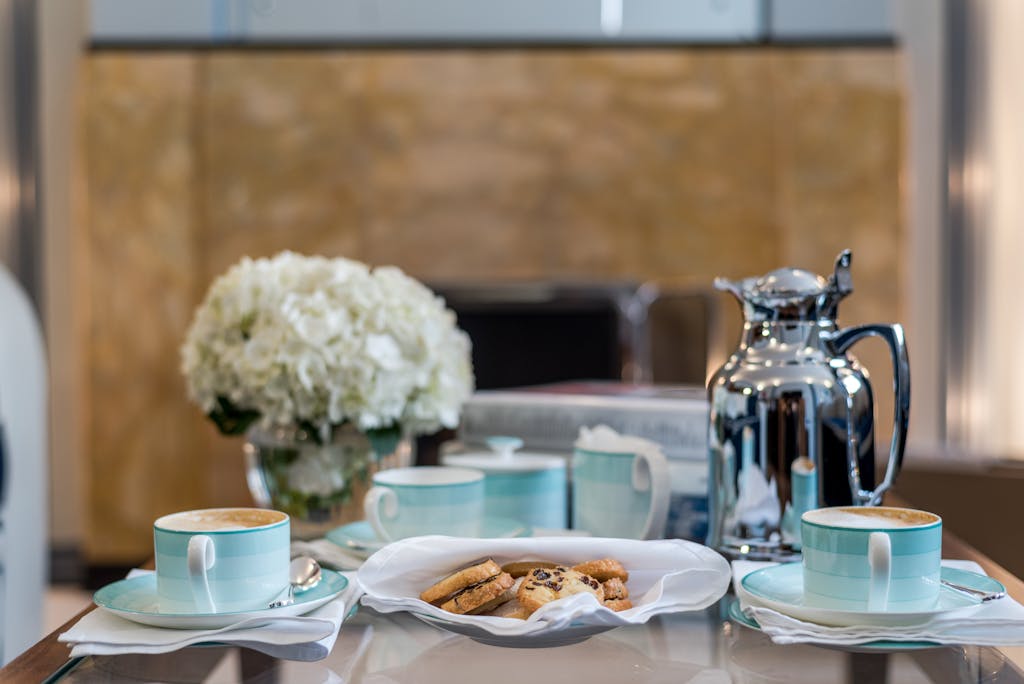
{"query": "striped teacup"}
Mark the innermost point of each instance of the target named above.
(871, 558)
(221, 560)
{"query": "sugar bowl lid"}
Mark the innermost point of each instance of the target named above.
(504, 458)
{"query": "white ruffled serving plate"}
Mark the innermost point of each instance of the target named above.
(665, 576)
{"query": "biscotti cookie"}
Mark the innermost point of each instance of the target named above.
(509, 596)
(459, 580)
(618, 604)
(521, 568)
(511, 609)
(614, 589)
(544, 585)
(482, 596)
(603, 570)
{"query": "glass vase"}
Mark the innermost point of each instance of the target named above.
(320, 483)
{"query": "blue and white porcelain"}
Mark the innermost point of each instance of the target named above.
(529, 487)
(621, 490)
(207, 562)
(781, 588)
(409, 502)
(136, 599)
(871, 558)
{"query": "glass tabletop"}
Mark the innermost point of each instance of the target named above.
(703, 647)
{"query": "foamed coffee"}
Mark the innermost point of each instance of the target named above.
(217, 519)
(870, 517)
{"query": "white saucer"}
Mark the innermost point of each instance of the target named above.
(360, 539)
(136, 599)
(781, 588)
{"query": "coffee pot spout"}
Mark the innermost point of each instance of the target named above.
(840, 284)
(735, 288)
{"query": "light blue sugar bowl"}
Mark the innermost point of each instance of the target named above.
(529, 488)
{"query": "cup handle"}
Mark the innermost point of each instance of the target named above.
(880, 562)
(376, 499)
(650, 473)
(201, 557)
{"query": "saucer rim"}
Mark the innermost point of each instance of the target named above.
(308, 597)
(844, 616)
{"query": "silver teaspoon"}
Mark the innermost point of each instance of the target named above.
(977, 594)
(303, 574)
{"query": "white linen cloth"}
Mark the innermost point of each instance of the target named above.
(665, 576)
(604, 438)
(308, 637)
(330, 555)
(996, 623)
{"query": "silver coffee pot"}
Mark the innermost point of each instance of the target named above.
(792, 414)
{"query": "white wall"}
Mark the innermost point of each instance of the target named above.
(920, 25)
(993, 188)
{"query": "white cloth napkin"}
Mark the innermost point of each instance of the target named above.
(665, 576)
(996, 623)
(308, 637)
(330, 555)
(604, 438)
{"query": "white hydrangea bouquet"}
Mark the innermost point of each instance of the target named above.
(300, 347)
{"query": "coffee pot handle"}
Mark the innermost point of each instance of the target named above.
(894, 337)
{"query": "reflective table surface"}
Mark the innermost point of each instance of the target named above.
(700, 647)
(704, 646)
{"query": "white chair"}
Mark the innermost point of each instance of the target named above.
(23, 506)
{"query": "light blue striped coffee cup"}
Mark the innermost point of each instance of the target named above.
(221, 560)
(620, 493)
(409, 502)
(871, 558)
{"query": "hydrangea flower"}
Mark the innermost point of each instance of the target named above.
(318, 342)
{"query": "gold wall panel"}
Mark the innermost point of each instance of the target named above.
(139, 159)
(673, 165)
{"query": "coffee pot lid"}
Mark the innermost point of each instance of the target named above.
(793, 292)
(787, 284)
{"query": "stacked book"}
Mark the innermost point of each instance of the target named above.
(548, 418)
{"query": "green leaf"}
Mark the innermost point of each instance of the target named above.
(384, 440)
(230, 419)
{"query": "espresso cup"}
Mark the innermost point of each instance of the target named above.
(620, 493)
(871, 558)
(409, 502)
(221, 560)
